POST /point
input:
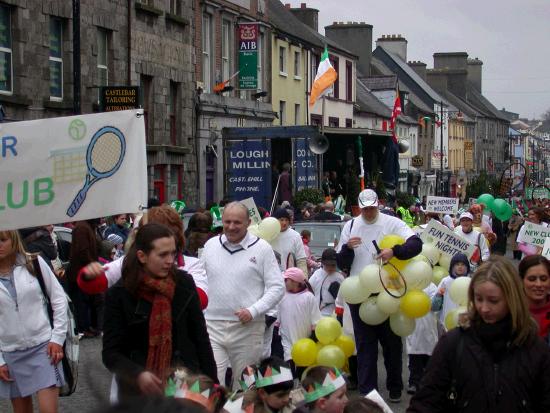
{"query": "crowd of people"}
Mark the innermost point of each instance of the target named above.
(207, 314)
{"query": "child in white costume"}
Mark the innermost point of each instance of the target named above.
(326, 282)
(298, 310)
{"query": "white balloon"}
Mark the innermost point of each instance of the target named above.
(353, 291)
(418, 275)
(458, 291)
(254, 230)
(402, 325)
(370, 313)
(370, 278)
(445, 261)
(269, 229)
(388, 304)
(431, 252)
(421, 257)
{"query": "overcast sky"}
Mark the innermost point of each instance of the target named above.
(511, 37)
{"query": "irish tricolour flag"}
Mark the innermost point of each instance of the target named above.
(325, 78)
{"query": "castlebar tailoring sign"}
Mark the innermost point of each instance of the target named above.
(306, 165)
(248, 56)
(113, 98)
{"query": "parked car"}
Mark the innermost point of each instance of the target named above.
(323, 234)
(64, 240)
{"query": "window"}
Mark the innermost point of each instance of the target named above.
(226, 50)
(261, 48)
(282, 112)
(207, 52)
(282, 61)
(316, 120)
(56, 59)
(333, 122)
(175, 7)
(349, 123)
(297, 63)
(349, 81)
(102, 58)
(297, 114)
(173, 112)
(6, 73)
(146, 83)
(176, 178)
(335, 87)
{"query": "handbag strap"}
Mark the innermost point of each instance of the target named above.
(40, 278)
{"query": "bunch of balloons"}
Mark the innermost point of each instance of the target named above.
(382, 293)
(332, 350)
(501, 208)
(268, 229)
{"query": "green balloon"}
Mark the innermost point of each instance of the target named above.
(499, 206)
(487, 200)
(505, 212)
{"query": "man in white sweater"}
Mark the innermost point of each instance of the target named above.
(244, 283)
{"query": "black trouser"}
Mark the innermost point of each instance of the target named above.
(517, 255)
(366, 340)
(417, 366)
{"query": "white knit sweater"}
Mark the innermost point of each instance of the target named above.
(248, 277)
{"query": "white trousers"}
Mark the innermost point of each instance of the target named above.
(235, 344)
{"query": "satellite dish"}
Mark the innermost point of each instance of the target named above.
(318, 144)
(403, 146)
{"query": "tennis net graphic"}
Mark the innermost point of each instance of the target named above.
(69, 165)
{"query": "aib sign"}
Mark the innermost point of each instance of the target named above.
(248, 56)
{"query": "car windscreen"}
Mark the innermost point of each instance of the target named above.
(323, 236)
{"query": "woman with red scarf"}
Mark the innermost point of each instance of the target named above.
(153, 318)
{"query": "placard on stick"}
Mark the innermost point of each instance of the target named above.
(441, 205)
(446, 240)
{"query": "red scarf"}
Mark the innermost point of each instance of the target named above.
(159, 292)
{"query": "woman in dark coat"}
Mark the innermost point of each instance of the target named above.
(496, 363)
(153, 319)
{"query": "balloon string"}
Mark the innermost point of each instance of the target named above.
(400, 275)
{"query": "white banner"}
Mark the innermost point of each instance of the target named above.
(72, 168)
(253, 211)
(446, 240)
(534, 234)
(441, 205)
(546, 248)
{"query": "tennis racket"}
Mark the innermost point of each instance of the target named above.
(103, 158)
(399, 285)
(513, 178)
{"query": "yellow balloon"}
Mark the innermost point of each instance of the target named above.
(390, 241)
(319, 345)
(415, 304)
(347, 345)
(458, 291)
(331, 356)
(386, 303)
(370, 278)
(304, 352)
(370, 314)
(402, 325)
(353, 291)
(399, 264)
(393, 273)
(439, 273)
(327, 330)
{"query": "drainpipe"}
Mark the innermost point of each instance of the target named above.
(76, 58)
(129, 45)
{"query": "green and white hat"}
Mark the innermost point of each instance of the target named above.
(333, 381)
(179, 206)
(273, 376)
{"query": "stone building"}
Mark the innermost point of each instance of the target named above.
(144, 43)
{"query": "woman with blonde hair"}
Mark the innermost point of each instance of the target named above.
(30, 348)
(495, 362)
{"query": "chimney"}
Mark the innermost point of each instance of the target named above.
(288, 6)
(393, 43)
(355, 37)
(419, 68)
(452, 60)
(307, 15)
(475, 67)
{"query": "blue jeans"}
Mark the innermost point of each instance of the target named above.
(366, 339)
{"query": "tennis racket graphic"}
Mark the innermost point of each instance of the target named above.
(512, 178)
(103, 158)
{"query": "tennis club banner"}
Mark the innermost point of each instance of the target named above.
(72, 168)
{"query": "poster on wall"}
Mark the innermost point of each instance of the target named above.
(305, 165)
(248, 165)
